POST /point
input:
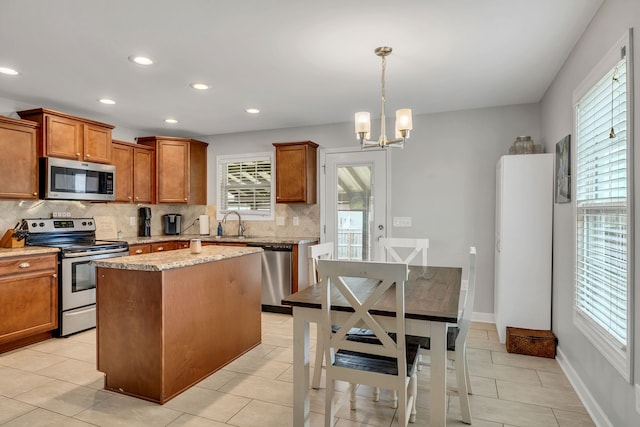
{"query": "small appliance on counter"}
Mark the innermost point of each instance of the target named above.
(171, 223)
(144, 222)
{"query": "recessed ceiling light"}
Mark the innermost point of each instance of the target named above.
(200, 86)
(252, 110)
(141, 60)
(106, 101)
(171, 121)
(8, 71)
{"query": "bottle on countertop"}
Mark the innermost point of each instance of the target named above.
(219, 229)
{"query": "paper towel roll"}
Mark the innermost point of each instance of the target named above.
(204, 224)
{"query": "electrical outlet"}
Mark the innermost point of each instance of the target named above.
(279, 220)
(638, 398)
(402, 221)
(132, 220)
(296, 221)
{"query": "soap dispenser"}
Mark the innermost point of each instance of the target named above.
(219, 229)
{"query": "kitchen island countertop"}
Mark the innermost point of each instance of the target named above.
(161, 261)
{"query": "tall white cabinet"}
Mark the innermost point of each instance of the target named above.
(523, 242)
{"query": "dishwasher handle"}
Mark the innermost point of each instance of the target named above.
(275, 247)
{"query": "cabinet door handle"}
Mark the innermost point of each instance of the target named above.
(35, 194)
(185, 199)
(87, 155)
(24, 265)
(77, 154)
(160, 249)
(54, 275)
(138, 251)
(129, 197)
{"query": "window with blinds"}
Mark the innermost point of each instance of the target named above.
(245, 185)
(603, 215)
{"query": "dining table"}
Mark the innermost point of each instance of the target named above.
(431, 302)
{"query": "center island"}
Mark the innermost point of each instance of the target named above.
(167, 320)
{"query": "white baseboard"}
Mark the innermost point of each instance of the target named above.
(482, 317)
(591, 405)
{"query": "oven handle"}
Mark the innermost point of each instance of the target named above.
(81, 254)
(75, 313)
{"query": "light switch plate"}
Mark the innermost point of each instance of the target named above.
(638, 398)
(279, 220)
(296, 220)
(132, 220)
(402, 221)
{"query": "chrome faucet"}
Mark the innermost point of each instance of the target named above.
(240, 224)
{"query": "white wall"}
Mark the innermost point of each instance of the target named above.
(612, 399)
(444, 178)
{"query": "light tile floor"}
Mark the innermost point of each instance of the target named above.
(55, 383)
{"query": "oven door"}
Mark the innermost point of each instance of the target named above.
(78, 278)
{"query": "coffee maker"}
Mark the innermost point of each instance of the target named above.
(171, 223)
(144, 222)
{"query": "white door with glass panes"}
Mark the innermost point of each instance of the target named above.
(354, 201)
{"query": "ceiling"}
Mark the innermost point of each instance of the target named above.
(301, 62)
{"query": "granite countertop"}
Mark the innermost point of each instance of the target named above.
(223, 239)
(160, 261)
(26, 250)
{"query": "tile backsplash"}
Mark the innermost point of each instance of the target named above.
(308, 217)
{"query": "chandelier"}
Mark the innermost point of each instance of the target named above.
(403, 118)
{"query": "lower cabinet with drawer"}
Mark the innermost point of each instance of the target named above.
(29, 299)
(139, 249)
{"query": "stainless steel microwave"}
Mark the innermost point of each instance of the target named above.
(74, 180)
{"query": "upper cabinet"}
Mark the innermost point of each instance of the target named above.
(70, 137)
(296, 170)
(134, 171)
(181, 169)
(19, 160)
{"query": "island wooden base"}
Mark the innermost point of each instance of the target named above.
(160, 332)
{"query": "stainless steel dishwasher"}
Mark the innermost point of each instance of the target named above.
(276, 275)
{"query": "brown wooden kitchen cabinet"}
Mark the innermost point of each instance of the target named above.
(180, 169)
(70, 137)
(29, 295)
(19, 160)
(169, 245)
(134, 171)
(296, 170)
(139, 248)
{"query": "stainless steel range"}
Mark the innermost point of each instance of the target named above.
(76, 239)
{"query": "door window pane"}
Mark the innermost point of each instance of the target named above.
(354, 212)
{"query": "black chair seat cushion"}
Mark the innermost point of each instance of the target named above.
(425, 342)
(375, 363)
(372, 362)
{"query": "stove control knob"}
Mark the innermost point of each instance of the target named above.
(84, 222)
(90, 223)
(34, 224)
(41, 224)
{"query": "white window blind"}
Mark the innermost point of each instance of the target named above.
(603, 192)
(245, 185)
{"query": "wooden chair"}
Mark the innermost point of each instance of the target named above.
(387, 361)
(389, 245)
(315, 253)
(457, 341)
(388, 251)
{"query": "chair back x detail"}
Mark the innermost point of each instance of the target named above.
(389, 245)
